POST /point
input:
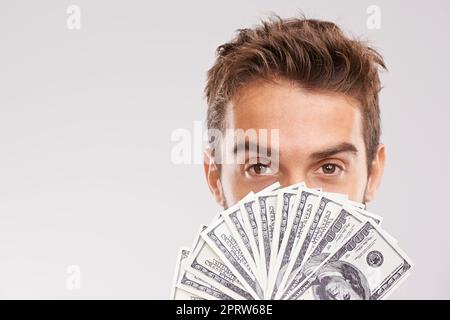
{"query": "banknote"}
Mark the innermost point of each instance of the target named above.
(233, 218)
(267, 203)
(179, 293)
(205, 264)
(292, 243)
(220, 239)
(303, 206)
(285, 202)
(191, 284)
(345, 225)
(366, 267)
(322, 215)
(249, 210)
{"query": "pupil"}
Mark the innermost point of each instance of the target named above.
(329, 168)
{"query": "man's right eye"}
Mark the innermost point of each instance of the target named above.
(260, 169)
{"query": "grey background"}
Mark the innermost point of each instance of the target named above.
(86, 118)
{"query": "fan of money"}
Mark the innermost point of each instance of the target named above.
(292, 243)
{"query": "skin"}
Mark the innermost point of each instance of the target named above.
(320, 143)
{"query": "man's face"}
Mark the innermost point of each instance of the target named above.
(320, 142)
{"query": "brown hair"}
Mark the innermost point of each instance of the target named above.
(311, 53)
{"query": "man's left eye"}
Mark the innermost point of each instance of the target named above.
(330, 169)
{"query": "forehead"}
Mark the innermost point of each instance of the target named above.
(310, 118)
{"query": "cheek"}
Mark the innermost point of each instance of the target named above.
(233, 185)
(353, 184)
(355, 188)
(359, 185)
(236, 185)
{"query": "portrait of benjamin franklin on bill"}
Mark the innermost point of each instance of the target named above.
(339, 280)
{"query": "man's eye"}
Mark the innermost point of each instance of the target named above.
(330, 169)
(260, 169)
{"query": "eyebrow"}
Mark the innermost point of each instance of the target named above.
(247, 145)
(322, 154)
(330, 151)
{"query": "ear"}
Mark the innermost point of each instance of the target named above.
(212, 175)
(376, 173)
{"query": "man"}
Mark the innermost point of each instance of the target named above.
(317, 88)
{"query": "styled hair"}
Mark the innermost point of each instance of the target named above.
(313, 54)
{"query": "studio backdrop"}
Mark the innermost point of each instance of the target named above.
(93, 203)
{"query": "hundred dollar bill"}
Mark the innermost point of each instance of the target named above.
(370, 216)
(377, 219)
(189, 283)
(177, 293)
(233, 218)
(181, 294)
(361, 209)
(304, 204)
(332, 210)
(249, 210)
(205, 264)
(318, 222)
(221, 240)
(356, 204)
(267, 202)
(345, 225)
(285, 202)
(366, 267)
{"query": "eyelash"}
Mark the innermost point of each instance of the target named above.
(252, 166)
(341, 168)
(264, 165)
